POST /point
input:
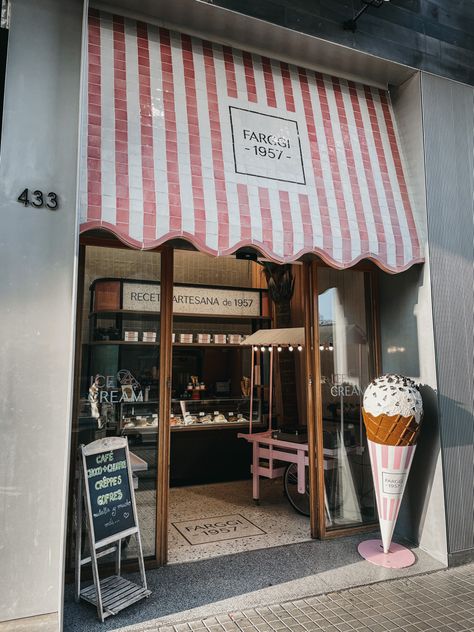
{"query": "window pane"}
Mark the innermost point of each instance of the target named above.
(345, 352)
(119, 385)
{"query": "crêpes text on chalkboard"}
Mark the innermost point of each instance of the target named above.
(108, 483)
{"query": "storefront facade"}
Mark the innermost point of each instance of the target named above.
(180, 141)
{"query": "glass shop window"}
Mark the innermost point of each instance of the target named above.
(346, 353)
(119, 376)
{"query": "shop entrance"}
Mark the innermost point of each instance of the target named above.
(222, 394)
(174, 352)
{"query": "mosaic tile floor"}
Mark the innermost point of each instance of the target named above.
(442, 601)
(274, 516)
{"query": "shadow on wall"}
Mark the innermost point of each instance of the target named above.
(426, 457)
(407, 347)
(422, 474)
(399, 296)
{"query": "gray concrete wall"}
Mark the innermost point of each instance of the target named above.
(407, 342)
(448, 122)
(407, 348)
(37, 296)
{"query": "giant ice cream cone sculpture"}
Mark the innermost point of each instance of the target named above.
(392, 415)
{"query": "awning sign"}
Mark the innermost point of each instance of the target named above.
(266, 146)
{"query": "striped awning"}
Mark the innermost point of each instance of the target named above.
(184, 138)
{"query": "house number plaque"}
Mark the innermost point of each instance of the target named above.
(38, 199)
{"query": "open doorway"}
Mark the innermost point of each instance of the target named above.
(221, 393)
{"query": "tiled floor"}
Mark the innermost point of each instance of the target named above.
(442, 601)
(273, 516)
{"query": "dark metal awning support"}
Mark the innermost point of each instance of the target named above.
(351, 25)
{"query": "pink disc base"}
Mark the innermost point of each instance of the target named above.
(397, 557)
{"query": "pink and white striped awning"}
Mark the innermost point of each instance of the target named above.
(189, 139)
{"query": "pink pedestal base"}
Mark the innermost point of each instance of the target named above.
(397, 557)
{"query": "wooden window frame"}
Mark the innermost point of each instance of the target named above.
(314, 410)
(313, 401)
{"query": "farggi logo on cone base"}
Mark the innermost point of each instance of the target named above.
(392, 415)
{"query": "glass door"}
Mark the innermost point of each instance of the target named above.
(345, 362)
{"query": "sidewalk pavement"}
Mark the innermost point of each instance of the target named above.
(442, 601)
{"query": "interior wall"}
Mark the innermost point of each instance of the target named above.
(38, 259)
(189, 267)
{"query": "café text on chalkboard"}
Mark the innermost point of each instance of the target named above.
(110, 494)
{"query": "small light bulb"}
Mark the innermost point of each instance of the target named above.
(331, 348)
(262, 348)
(255, 348)
(278, 349)
(300, 348)
(290, 348)
(270, 348)
(321, 347)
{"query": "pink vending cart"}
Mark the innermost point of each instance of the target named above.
(269, 452)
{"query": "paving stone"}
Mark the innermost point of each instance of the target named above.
(436, 602)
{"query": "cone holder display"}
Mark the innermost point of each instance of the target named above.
(392, 444)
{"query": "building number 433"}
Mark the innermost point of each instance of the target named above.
(39, 199)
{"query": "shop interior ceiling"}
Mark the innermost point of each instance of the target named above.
(187, 139)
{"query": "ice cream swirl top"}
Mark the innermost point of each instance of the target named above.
(393, 394)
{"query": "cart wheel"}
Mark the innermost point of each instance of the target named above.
(299, 502)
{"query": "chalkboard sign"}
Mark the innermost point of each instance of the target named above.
(109, 490)
(105, 483)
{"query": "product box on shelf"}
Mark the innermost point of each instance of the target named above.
(220, 339)
(234, 339)
(186, 338)
(131, 336)
(149, 336)
(204, 338)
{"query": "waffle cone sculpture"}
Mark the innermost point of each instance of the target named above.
(391, 430)
(392, 416)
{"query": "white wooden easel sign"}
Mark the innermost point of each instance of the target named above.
(106, 485)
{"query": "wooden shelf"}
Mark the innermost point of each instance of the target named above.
(210, 400)
(183, 428)
(228, 426)
(207, 344)
(156, 315)
(157, 344)
(122, 342)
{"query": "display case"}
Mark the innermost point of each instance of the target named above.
(216, 413)
(188, 414)
(209, 366)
